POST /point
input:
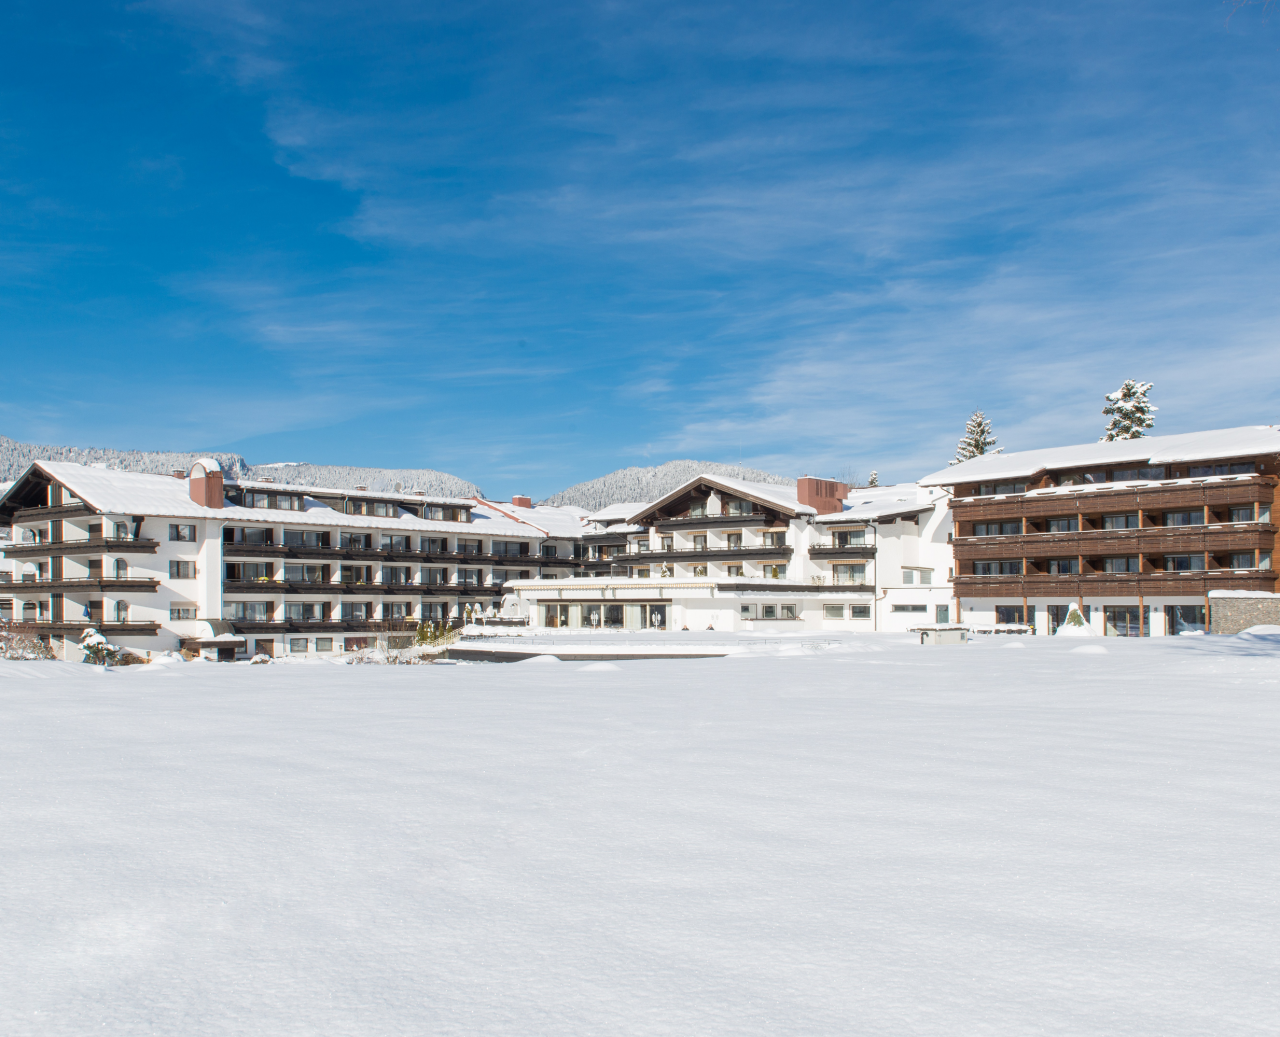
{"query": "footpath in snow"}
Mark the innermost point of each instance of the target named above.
(1016, 836)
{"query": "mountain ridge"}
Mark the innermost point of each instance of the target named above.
(649, 484)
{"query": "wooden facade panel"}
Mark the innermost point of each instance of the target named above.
(1104, 543)
(1105, 585)
(1172, 498)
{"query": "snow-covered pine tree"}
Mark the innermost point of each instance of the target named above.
(977, 439)
(1129, 411)
(874, 478)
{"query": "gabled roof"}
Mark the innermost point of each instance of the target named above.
(780, 498)
(617, 512)
(389, 495)
(1149, 450)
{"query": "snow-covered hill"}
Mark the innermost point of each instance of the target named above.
(647, 484)
(15, 456)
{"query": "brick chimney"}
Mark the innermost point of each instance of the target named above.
(521, 502)
(823, 495)
(205, 483)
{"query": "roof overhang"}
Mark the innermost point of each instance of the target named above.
(725, 487)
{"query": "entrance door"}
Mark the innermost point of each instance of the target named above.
(557, 616)
(657, 617)
(1126, 621)
(1057, 616)
(613, 617)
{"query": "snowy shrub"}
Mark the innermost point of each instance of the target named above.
(98, 650)
(17, 643)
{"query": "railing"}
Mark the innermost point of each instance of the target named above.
(704, 549)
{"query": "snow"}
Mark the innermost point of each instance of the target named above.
(1154, 450)
(618, 512)
(782, 497)
(874, 838)
(1243, 594)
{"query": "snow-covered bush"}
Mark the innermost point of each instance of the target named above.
(98, 650)
(16, 643)
(1074, 625)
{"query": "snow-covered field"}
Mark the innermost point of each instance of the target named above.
(1030, 836)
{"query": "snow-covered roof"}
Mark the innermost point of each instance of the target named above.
(1154, 450)
(781, 497)
(618, 512)
(1127, 486)
(867, 503)
(408, 498)
(561, 523)
(114, 492)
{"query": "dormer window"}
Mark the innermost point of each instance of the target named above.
(741, 507)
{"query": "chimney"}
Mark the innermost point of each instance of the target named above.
(267, 478)
(362, 488)
(823, 495)
(205, 483)
(521, 502)
(418, 493)
(178, 473)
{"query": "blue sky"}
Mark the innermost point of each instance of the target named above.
(530, 243)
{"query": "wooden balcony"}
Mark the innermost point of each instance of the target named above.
(1099, 543)
(1196, 583)
(108, 583)
(1215, 495)
(77, 628)
(92, 546)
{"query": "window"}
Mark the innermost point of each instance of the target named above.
(733, 570)
(303, 611)
(433, 545)
(395, 610)
(246, 535)
(397, 574)
(1242, 560)
(733, 541)
(508, 548)
(434, 576)
(356, 574)
(395, 543)
(1125, 620)
(297, 644)
(1012, 567)
(288, 502)
(909, 608)
(996, 529)
(1008, 613)
(642, 546)
(741, 507)
(1199, 471)
(859, 611)
(1179, 619)
(549, 550)
(1066, 524)
(186, 534)
(699, 570)
(468, 547)
(122, 531)
(1264, 559)
(1184, 518)
(768, 611)
(248, 611)
(700, 541)
(775, 540)
(1264, 512)
(304, 574)
(833, 612)
(991, 489)
(256, 500)
(433, 611)
(324, 644)
(849, 573)
(773, 572)
(470, 577)
(926, 576)
(181, 610)
(356, 541)
(1126, 521)
(1130, 474)
(1121, 565)
(668, 543)
(1183, 563)
(122, 611)
(908, 576)
(786, 612)
(356, 611)
(1244, 514)
(182, 570)
(447, 514)
(942, 613)
(747, 611)
(698, 509)
(640, 572)
(122, 569)
(1064, 566)
(850, 538)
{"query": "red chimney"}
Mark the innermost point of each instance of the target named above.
(521, 502)
(205, 483)
(823, 495)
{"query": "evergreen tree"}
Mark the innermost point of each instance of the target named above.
(874, 478)
(1129, 411)
(977, 439)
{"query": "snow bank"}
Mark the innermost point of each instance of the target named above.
(891, 842)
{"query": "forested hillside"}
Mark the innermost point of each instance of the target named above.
(647, 484)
